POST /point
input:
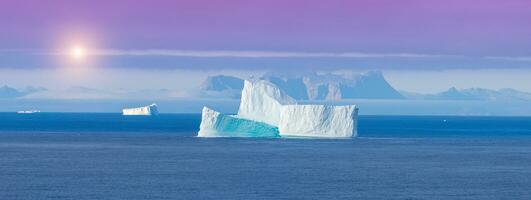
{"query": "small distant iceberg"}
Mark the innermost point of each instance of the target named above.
(266, 111)
(28, 111)
(146, 110)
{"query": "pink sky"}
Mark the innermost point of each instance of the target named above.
(473, 27)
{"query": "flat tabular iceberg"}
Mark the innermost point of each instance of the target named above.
(146, 110)
(266, 111)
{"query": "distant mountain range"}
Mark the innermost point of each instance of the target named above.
(307, 86)
(222, 86)
(7, 92)
(370, 85)
(473, 94)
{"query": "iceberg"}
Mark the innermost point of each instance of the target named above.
(146, 110)
(266, 111)
(28, 111)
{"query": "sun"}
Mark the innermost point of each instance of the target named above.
(78, 52)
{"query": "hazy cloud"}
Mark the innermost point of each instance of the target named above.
(227, 53)
(509, 58)
(258, 60)
(258, 54)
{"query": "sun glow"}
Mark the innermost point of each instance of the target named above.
(78, 52)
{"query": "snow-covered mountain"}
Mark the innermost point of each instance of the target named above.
(312, 86)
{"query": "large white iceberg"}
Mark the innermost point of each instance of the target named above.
(266, 111)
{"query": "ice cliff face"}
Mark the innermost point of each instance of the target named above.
(318, 121)
(266, 111)
(261, 101)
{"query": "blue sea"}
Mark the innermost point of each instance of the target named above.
(109, 156)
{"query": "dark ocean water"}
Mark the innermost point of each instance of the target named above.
(109, 156)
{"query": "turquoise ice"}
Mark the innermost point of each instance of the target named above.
(215, 124)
